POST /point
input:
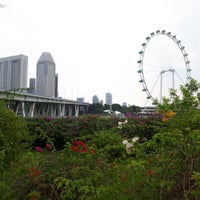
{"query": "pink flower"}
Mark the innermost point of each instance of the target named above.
(49, 119)
(39, 149)
(48, 146)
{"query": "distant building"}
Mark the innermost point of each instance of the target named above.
(45, 75)
(101, 102)
(95, 99)
(124, 104)
(109, 98)
(80, 99)
(31, 89)
(13, 72)
(147, 111)
(56, 85)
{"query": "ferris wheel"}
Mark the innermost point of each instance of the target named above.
(163, 64)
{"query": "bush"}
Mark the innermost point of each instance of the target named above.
(13, 136)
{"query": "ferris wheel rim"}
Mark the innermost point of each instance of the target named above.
(142, 53)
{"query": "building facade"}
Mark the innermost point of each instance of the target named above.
(124, 104)
(80, 99)
(56, 85)
(31, 89)
(109, 98)
(13, 72)
(45, 75)
(95, 99)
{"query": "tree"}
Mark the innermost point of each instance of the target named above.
(96, 108)
(107, 107)
(133, 109)
(116, 107)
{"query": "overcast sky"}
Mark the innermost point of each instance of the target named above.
(95, 43)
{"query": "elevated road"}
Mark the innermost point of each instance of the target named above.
(29, 105)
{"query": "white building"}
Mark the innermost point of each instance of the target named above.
(109, 98)
(13, 72)
(45, 75)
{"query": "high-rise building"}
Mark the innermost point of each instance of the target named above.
(31, 89)
(13, 72)
(45, 75)
(56, 85)
(95, 99)
(109, 98)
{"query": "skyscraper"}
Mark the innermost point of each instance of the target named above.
(109, 98)
(95, 99)
(13, 72)
(45, 75)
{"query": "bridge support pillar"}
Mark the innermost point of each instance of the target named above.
(23, 109)
(31, 110)
(76, 110)
(70, 110)
(62, 110)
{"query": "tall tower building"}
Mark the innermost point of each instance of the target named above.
(45, 75)
(13, 72)
(109, 98)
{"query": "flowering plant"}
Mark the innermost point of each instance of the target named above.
(120, 124)
(129, 146)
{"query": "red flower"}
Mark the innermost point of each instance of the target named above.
(149, 172)
(34, 172)
(112, 165)
(128, 190)
(93, 151)
(79, 147)
(150, 161)
(37, 173)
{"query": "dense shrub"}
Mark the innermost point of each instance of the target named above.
(62, 130)
(13, 136)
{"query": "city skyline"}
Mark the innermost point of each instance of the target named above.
(95, 43)
(13, 73)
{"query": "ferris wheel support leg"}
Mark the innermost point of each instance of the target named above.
(173, 78)
(161, 73)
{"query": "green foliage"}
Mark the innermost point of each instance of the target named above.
(96, 108)
(116, 107)
(187, 101)
(92, 162)
(62, 130)
(108, 144)
(13, 136)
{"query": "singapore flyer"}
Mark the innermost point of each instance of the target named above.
(163, 65)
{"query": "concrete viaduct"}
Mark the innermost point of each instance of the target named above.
(28, 105)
